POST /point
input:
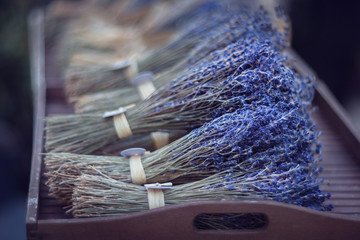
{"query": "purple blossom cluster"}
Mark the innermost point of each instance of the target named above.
(251, 138)
(250, 111)
(208, 22)
(249, 24)
(214, 30)
(180, 46)
(260, 129)
(204, 10)
(305, 86)
(245, 74)
(268, 152)
(289, 183)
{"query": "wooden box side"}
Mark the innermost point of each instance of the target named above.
(167, 222)
(37, 45)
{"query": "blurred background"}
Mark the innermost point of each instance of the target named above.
(15, 117)
(325, 33)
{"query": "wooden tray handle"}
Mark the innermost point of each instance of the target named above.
(285, 221)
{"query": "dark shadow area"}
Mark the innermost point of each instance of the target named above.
(327, 35)
(15, 117)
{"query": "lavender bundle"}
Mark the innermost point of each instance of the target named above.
(240, 19)
(177, 15)
(80, 81)
(106, 100)
(183, 104)
(256, 135)
(144, 141)
(97, 38)
(259, 26)
(295, 184)
(110, 99)
(228, 29)
(182, 43)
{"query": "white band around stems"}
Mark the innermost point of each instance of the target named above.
(145, 87)
(156, 195)
(155, 191)
(155, 198)
(160, 139)
(137, 170)
(132, 70)
(122, 126)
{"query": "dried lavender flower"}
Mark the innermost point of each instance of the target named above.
(293, 185)
(244, 141)
(188, 101)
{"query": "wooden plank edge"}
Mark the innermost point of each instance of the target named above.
(345, 127)
(329, 105)
(284, 221)
(37, 61)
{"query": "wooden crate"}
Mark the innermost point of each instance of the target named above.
(341, 152)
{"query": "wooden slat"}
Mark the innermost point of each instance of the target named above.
(347, 209)
(341, 171)
(341, 181)
(340, 188)
(351, 195)
(345, 202)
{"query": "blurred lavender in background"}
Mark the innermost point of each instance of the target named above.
(15, 118)
(326, 34)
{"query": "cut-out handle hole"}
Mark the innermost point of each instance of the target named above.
(231, 221)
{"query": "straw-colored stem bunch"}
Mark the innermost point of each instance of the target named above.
(226, 30)
(104, 196)
(85, 133)
(228, 142)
